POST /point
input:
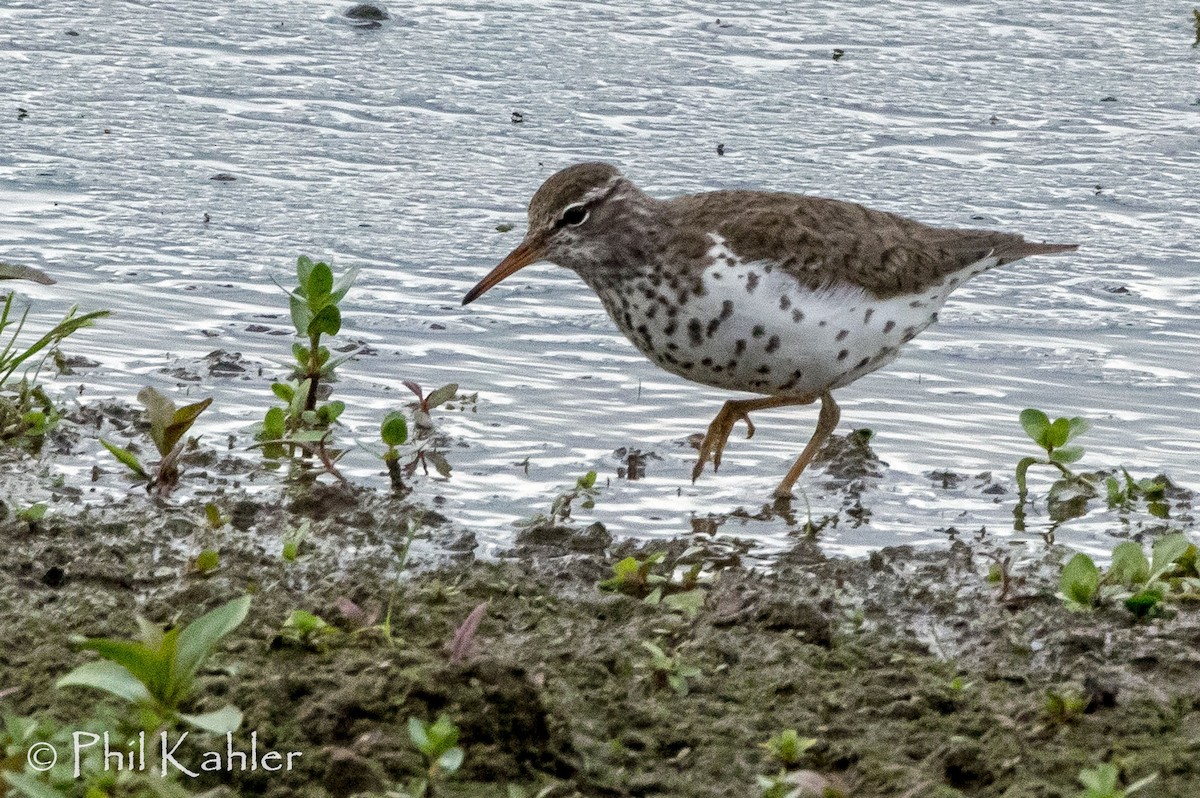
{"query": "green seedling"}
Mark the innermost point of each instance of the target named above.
(1139, 580)
(26, 412)
(304, 421)
(157, 672)
(1102, 782)
(438, 743)
(788, 747)
(1053, 436)
(585, 491)
(426, 403)
(634, 577)
(294, 538)
(394, 433)
(1064, 707)
(669, 671)
(12, 356)
(207, 562)
(307, 630)
(168, 426)
(1080, 582)
(1124, 493)
(33, 513)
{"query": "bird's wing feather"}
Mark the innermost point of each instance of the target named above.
(825, 243)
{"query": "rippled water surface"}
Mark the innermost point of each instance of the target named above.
(393, 150)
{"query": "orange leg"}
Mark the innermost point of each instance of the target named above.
(737, 410)
(826, 422)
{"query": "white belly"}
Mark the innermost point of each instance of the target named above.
(755, 329)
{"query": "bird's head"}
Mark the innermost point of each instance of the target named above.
(567, 217)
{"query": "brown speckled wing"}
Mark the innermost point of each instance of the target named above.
(825, 242)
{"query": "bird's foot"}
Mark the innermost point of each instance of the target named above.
(718, 435)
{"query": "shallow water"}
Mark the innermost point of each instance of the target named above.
(393, 150)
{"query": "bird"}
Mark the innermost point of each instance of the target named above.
(784, 295)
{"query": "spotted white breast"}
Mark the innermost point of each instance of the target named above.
(754, 327)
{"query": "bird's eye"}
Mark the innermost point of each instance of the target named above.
(573, 216)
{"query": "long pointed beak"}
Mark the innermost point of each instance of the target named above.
(529, 251)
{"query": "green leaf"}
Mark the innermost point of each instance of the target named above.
(144, 663)
(318, 285)
(1035, 423)
(126, 458)
(329, 412)
(301, 314)
(274, 424)
(107, 676)
(1080, 580)
(689, 603)
(304, 267)
(587, 481)
(328, 321)
(440, 463)
(161, 410)
(201, 636)
(1057, 434)
(441, 395)
(1145, 603)
(1129, 564)
(342, 284)
(417, 734)
(451, 760)
(394, 430)
(180, 423)
(1102, 778)
(1067, 454)
(1165, 552)
(208, 561)
(225, 720)
(1076, 427)
(283, 391)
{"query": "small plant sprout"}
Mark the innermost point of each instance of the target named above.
(438, 743)
(13, 356)
(426, 403)
(26, 412)
(585, 491)
(304, 421)
(788, 747)
(294, 539)
(306, 630)
(168, 426)
(158, 671)
(634, 577)
(1053, 436)
(1067, 706)
(33, 513)
(669, 671)
(1102, 780)
(1124, 493)
(1143, 583)
(394, 432)
(1080, 582)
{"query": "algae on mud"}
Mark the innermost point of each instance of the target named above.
(914, 678)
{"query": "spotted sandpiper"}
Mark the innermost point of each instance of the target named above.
(773, 293)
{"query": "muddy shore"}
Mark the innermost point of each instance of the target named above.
(913, 672)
